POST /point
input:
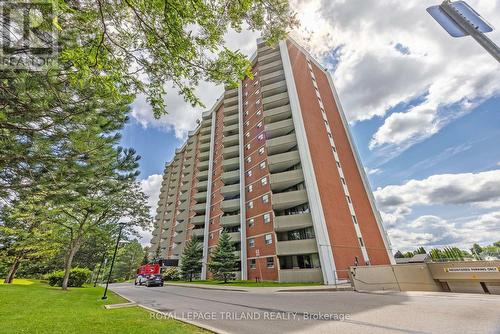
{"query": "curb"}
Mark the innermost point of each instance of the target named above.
(190, 322)
(194, 286)
(316, 290)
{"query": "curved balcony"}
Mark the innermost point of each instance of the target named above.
(198, 232)
(180, 227)
(199, 208)
(231, 101)
(281, 144)
(231, 110)
(284, 180)
(200, 197)
(204, 156)
(230, 190)
(231, 177)
(275, 101)
(235, 236)
(203, 165)
(292, 222)
(231, 140)
(296, 247)
(279, 129)
(204, 147)
(282, 201)
(272, 77)
(231, 152)
(230, 205)
(198, 220)
(202, 186)
(231, 119)
(231, 129)
(179, 238)
(229, 221)
(274, 88)
(269, 58)
(205, 138)
(271, 67)
(231, 164)
(202, 176)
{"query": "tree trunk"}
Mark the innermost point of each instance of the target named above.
(13, 270)
(74, 246)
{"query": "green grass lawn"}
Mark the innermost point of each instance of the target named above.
(252, 284)
(30, 306)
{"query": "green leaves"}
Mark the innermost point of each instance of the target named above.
(223, 261)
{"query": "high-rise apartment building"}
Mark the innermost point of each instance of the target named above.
(274, 165)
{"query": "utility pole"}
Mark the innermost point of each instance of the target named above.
(113, 260)
(459, 20)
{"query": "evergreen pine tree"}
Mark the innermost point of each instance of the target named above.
(191, 259)
(399, 255)
(223, 261)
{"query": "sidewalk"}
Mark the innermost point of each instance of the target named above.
(432, 294)
(264, 290)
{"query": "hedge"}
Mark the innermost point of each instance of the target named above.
(77, 277)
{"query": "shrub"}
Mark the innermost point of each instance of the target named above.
(77, 277)
(171, 274)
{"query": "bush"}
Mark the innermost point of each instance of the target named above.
(77, 277)
(171, 274)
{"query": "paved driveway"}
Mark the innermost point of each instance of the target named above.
(322, 312)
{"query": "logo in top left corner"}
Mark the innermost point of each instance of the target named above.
(29, 34)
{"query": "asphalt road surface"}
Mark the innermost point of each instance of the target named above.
(321, 312)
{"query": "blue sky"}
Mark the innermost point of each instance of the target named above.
(424, 110)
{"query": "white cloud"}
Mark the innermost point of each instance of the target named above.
(466, 190)
(373, 74)
(433, 231)
(151, 187)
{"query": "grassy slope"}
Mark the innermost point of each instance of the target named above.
(34, 307)
(249, 283)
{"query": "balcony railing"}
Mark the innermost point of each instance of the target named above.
(286, 200)
(296, 247)
(292, 222)
(284, 180)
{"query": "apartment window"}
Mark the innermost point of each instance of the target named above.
(246, 113)
(250, 205)
(250, 188)
(261, 150)
(249, 159)
(259, 125)
(247, 123)
(257, 102)
(251, 242)
(246, 93)
(267, 218)
(268, 238)
(211, 235)
(261, 136)
(361, 242)
(253, 264)
(249, 173)
(248, 146)
(270, 262)
(255, 83)
(263, 181)
(338, 164)
(257, 91)
(354, 219)
(259, 112)
(262, 165)
(342, 180)
(246, 85)
(265, 199)
(246, 103)
(255, 74)
(348, 199)
(247, 134)
(334, 149)
(251, 222)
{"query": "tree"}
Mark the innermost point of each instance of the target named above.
(420, 250)
(191, 259)
(145, 259)
(128, 260)
(476, 250)
(399, 255)
(223, 261)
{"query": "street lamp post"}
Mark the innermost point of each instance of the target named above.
(459, 20)
(113, 260)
